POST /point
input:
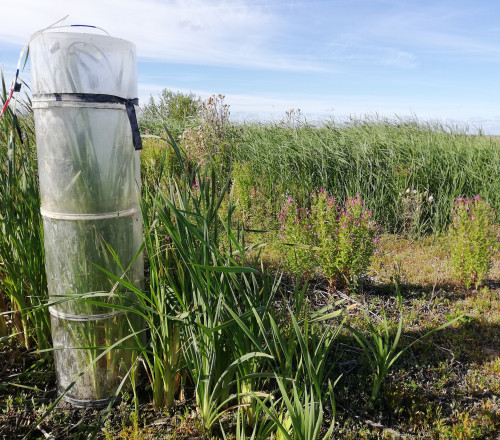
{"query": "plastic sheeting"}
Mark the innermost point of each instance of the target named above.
(89, 183)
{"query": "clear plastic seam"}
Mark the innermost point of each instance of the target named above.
(97, 317)
(82, 403)
(98, 216)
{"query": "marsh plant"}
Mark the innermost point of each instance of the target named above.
(201, 296)
(472, 240)
(340, 240)
(381, 349)
(158, 158)
(210, 312)
(347, 238)
(417, 208)
(297, 236)
(294, 119)
(251, 204)
(211, 139)
(23, 283)
(378, 157)
(302, 369)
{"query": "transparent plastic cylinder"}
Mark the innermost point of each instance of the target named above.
(89, 183)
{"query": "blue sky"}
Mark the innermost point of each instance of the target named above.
(436, 60)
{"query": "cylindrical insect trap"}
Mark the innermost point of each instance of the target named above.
(84, 91)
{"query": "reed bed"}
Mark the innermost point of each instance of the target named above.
(409, 173)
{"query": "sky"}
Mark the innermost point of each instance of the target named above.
(436, 60)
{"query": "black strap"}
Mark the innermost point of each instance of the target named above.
(17, 84)
(106, 99)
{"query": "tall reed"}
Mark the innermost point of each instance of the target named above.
(380, 159)
(200, 292)
(301, 370)
(23, 283)
(208, 287)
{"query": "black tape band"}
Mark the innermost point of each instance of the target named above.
(105, 99)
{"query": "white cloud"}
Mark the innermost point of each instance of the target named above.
(397, 50)
(220, 32)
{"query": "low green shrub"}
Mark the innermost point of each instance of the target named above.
(177, 109)
(472, 240)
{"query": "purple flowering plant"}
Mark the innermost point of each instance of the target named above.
(296, 237)
(339, 240)
(472, 240)
(347, 238)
